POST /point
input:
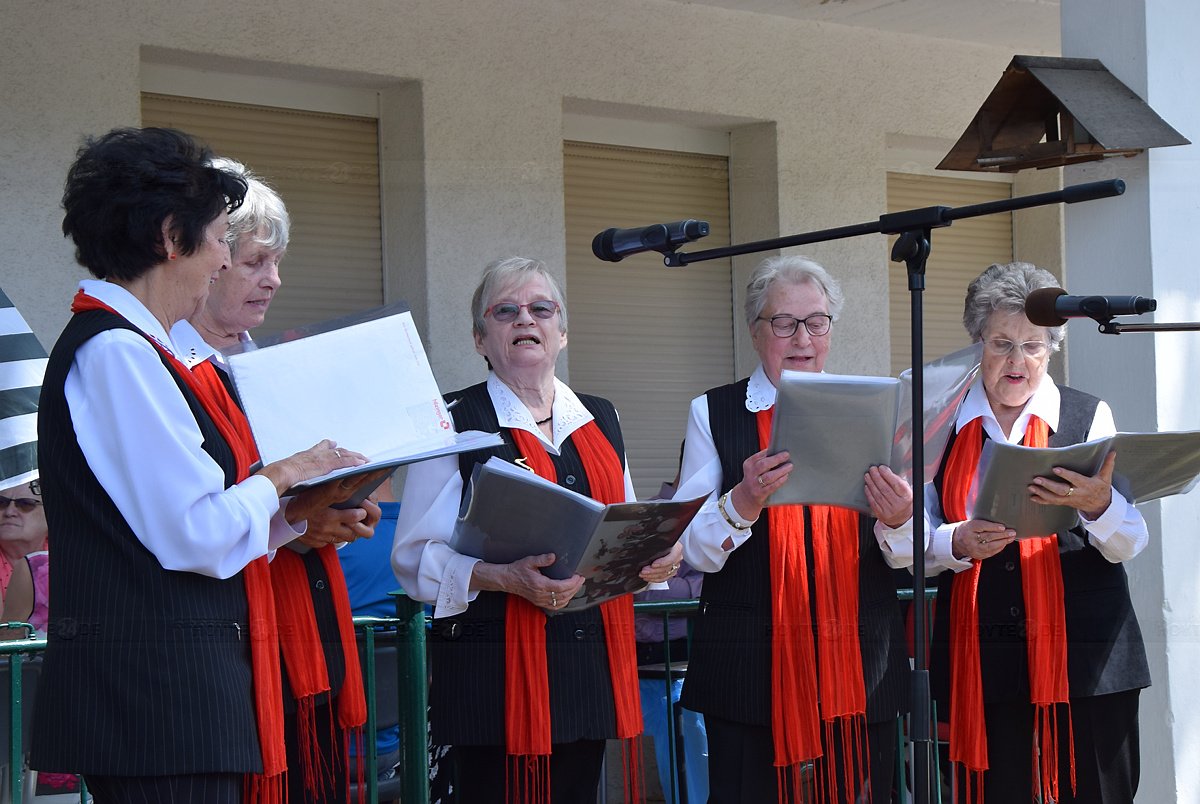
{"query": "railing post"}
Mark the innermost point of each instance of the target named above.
(414, 751)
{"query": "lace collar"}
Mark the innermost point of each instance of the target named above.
(760, 394)
(569, 412)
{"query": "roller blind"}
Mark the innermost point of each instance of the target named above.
(647, 337)
(959, 254)
(326, 168)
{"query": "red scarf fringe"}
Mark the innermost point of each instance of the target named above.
(527, 687)
(1045, 624)
(828, 669)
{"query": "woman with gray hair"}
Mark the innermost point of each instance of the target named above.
(527, 701)
(1036, 649)
(798, 651)
(322, 681)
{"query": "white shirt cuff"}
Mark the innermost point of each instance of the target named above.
(454, 591)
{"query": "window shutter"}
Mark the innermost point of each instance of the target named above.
(647, 337)
(326, 168)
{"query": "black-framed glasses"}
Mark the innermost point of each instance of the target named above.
(508, 311)
(1002, 347)
(785, 326)
(24, 504)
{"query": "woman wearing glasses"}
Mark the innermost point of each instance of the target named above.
(798, 651)
(1035, 639)
(520, 696)
(23, 569)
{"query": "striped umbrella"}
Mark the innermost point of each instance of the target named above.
(22, 364)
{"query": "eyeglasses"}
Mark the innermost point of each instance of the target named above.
(785, 326)
(24, 504)
(508, 311)
(1002, 347)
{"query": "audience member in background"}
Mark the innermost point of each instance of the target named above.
(23, 527)
(322, 682)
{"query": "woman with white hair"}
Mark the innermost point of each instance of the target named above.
(526, 700)
(1036, 648)
(322, 682)
(798, 651)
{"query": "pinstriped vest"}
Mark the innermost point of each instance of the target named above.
(730, 665)
(1105, 652)
(147, 671)
(467, 650)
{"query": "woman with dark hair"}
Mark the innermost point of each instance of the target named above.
(1036, 648)
(161, 673)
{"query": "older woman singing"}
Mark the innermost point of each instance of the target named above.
(513, 688)
(161, 675)
(799, 652)
(1035, 640)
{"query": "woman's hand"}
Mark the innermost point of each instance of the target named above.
(979, 539)
(663, 569)
(891, 498)
(311, 503)
(761, 475)
(315, 461)
(524, 578)
(1089, 495)
(341, 525)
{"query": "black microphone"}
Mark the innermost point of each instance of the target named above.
(615, 245)
(1051, 307)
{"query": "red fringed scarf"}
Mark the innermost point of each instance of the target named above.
(527, 686)
(264, 645)
(1045, 625)
(828, 669)
(300, 640)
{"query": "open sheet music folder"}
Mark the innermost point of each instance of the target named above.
(362, 380)
(837, 426)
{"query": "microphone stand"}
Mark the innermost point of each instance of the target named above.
(912, 248)
(1109, 327)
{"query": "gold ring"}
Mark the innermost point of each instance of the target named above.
(553, 601)
(760, 481)
(981, 539)
(338, 453)
(1070, 490)
(343, 485)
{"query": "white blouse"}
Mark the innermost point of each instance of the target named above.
(141, 441)
(427, 568)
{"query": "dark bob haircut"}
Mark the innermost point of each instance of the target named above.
(125, 184)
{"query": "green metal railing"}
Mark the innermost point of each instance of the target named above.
(16, 650)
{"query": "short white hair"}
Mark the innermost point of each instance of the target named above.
(795, 271)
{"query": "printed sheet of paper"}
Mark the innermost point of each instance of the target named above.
(362, 380)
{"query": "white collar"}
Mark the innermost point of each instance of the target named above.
(131, 309)
(569, 413)
(192, 347)
(760, 394)
(1043, 404)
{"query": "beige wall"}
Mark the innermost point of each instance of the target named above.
(472, 96)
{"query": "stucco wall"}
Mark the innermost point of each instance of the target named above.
(490, 82)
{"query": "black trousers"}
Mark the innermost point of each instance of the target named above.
(480, 772)
(1107, 752)
(741, 765)
(196, 788)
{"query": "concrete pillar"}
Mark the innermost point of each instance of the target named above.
(1145, 243)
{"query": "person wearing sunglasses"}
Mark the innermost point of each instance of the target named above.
(798, 657)
(24, 577)
(1035, 644)
(521, 696)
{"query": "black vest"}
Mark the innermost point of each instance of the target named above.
(1105, 653)
(147, 670)
(729, 671)
(467, 650)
